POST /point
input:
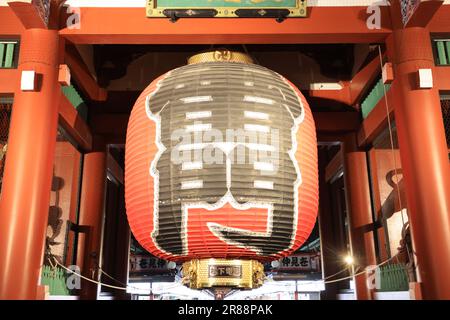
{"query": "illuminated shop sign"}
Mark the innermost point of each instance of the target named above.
(300, 263)
(145, 263)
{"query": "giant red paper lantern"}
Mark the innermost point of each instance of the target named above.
(221, 162)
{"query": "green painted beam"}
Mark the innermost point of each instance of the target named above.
(72, 95)
(76, 100)
(2, 54)
(442, 56)
(9, 56)
(447, 45)
(374, 96)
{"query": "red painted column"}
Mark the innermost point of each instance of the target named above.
(24, 202)
(92, 215)
(360, 213)
(424, 157)
(329, 234)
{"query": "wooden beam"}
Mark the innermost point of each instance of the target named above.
(424, 13)
(70, 120)
(439, 23)
(334, 166)
(354, 89)
(113, 139)
(130, 26)
(327, 139)
(114, 125)
(376, 121)
(8, 80)
(360, 83)
(442, 77)
(115, 169)
(10, 25)
(84, 78)
(337, 121)
(376, 200)
(343, 95)
(28, 13)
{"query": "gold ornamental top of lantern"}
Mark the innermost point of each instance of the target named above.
(220, 56)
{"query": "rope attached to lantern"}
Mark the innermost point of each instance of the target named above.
(57, 263)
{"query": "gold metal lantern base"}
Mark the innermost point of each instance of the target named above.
(210, 273)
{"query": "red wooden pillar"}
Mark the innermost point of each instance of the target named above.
(424, 156)
(91, 216)
(360, 213)
(24, 202)
(329, 234)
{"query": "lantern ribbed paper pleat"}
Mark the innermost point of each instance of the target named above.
(221, 162)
